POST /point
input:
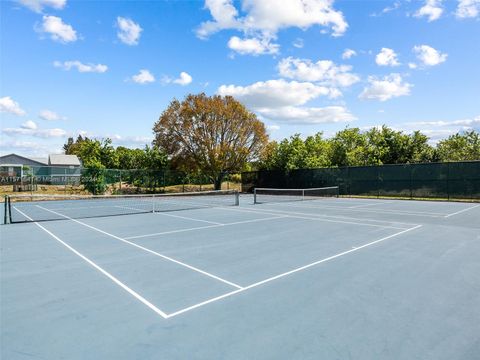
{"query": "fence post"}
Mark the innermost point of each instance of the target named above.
(448, 181)
(411, 181)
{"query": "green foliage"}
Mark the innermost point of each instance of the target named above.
(212, 135)
(93, 178)
(353, 147)
(295, 153)
(93, 151)
(460, 147)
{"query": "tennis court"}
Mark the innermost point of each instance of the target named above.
(225, 277)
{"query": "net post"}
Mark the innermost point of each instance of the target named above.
(237, 198)
(254, 196)
(337, 193)
(153, 203)
(9, 206)
(5, 209)
(303, 194)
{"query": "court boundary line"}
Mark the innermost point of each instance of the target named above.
(204, 227)
(211, 300)
(147, 250)
(461, 211)
(364, 205)
(301, 268)
(175, 216)
(323, 217)
(393, 212)
(100, 269)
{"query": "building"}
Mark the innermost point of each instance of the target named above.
(18, 166)
(64, 160)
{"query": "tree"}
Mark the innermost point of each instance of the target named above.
(387, 146)
(213, 135)
(71, 146)
(295, 153)
(348, 148)
(460, 147)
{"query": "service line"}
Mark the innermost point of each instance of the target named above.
(262, 282)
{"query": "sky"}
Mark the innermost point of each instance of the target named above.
(110, 68)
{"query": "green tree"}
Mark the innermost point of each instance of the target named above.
(295, 153)
(349, 148)
(387, 146)
(460, 147)
(213, 135)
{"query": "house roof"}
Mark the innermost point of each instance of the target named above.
(40, 161)
(63, 160)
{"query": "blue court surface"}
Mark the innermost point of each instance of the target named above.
(336, 278)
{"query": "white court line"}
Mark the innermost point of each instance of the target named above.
(204, 227)
(288, 273)
(175, 216)
(320, 217)
(147, 250)
(187, 218)
(365, 205)
(394, 212)
(271, 212)
(103, 271)
(461, 211)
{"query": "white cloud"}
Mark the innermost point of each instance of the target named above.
(252, 46)
(348, 53)
(441, 129)
(50, 115)
(272, 128)
(224, 16)
(468, 9)
(474, 122)
(58, 30)
(35, 132)
(38, 5)
(29, 124)
(143, 77)
(308, 115)
(323, 71)
(275, 93)
(387, 57)
(83, 68)
(184, 79)
(432, 9)
(8, 105)
(298, 43)
(27, 148)
(412, 65)
(129, 31)
(428, 55)
(388, 9)
(384, 89)
(263, 19)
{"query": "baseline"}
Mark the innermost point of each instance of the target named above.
(461, 211)
(100, 269)
(148, 250)
(381, 211)
(322, 217)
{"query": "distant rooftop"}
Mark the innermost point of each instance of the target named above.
(63, 160)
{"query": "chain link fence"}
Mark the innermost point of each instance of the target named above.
(77, 180)
(449, 180)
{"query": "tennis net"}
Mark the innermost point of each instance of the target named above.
(266, 195)
(27, 208)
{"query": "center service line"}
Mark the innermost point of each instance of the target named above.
(288, 273)
(147, 250)
(104, 272)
